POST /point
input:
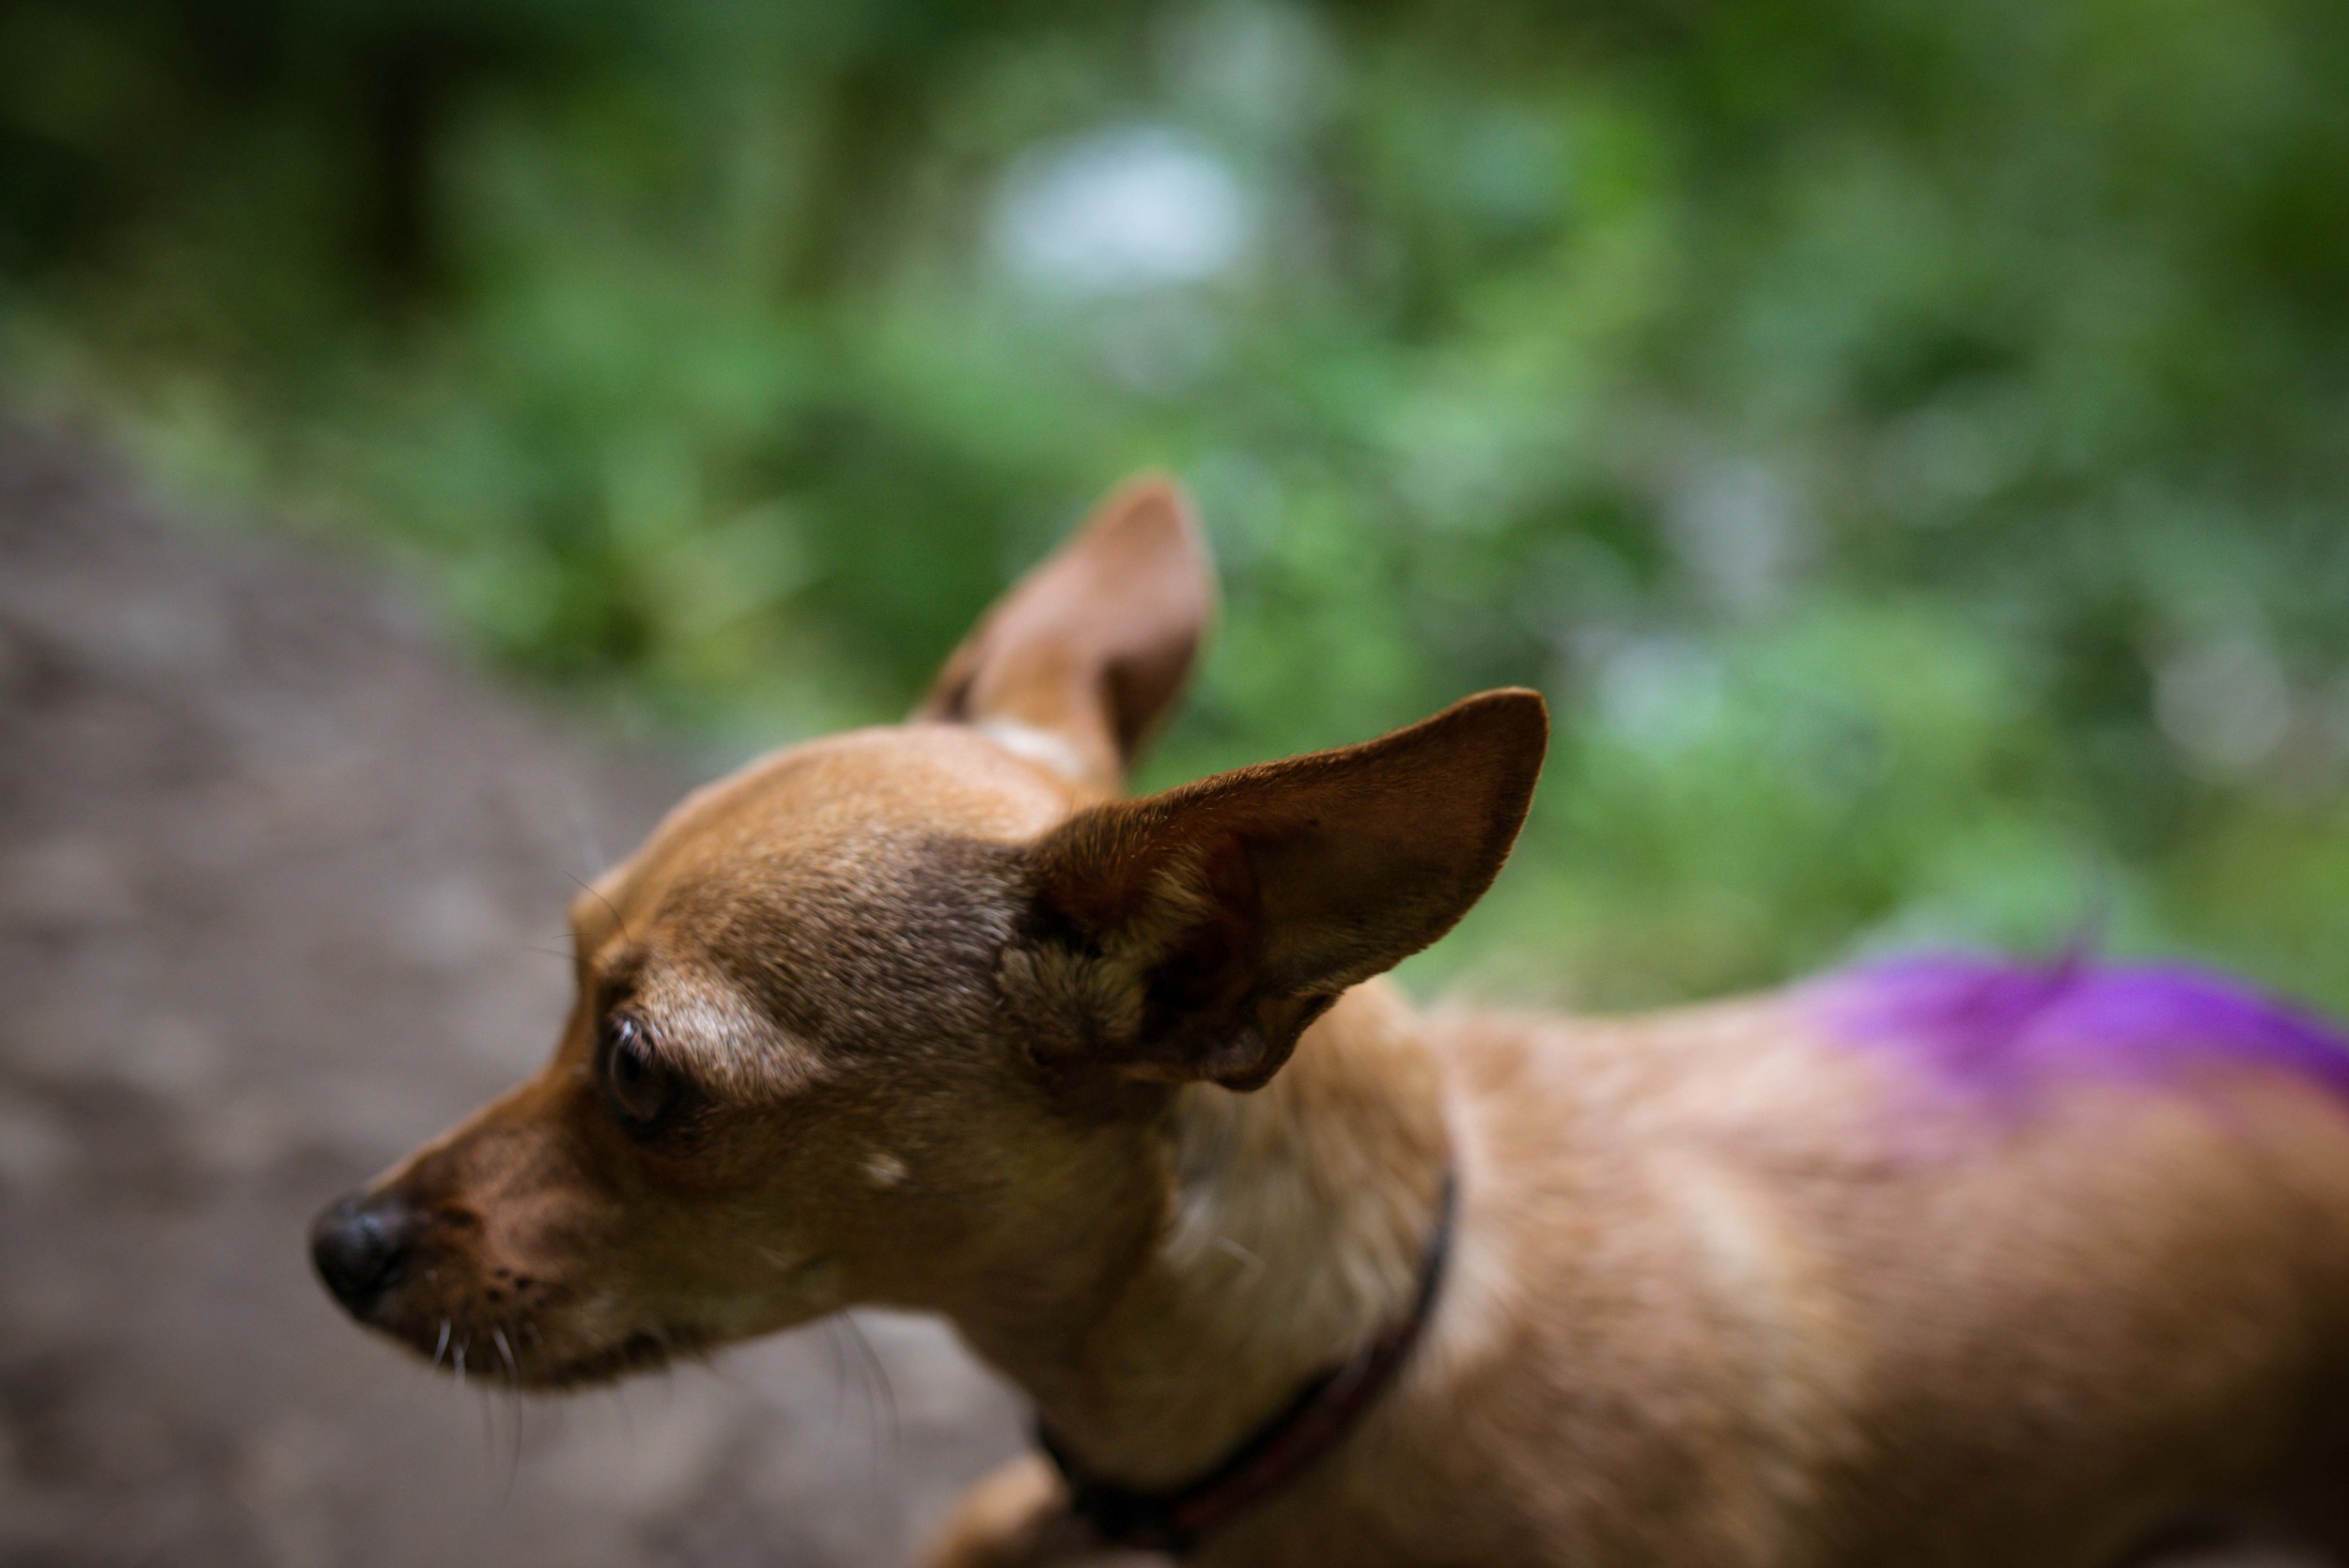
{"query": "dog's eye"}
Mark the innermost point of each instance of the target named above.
(644, 1092)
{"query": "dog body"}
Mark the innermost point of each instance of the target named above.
(1728, 1290)
(1929, 1264)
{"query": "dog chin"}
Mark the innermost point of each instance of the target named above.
(641, 1350)
(513, 1355)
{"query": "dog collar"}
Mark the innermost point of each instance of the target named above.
(1312, 1424)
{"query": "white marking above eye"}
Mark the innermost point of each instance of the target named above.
(885, 1170)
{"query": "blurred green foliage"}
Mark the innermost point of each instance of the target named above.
(1909, 441)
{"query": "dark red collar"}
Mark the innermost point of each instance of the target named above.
(1310, 1425)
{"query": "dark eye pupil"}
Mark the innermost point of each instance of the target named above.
(642, 1090)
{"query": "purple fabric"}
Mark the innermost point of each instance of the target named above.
(1988, 1024)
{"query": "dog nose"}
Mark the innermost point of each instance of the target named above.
(359, 1245)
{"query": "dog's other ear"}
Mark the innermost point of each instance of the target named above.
(1077, 663)
(1195, 934)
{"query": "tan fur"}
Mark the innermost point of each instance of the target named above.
(966, 1031)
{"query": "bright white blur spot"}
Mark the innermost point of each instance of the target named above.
(1122, 211)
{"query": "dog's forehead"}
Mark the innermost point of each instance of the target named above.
(845, 870)
(823, 812)
(938, 780)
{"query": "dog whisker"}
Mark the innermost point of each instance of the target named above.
(514, 1454)
(863, 1374)
(888, 1391)
(839, 1370)
(589, 887)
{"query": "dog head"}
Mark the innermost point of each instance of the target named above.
(888, 1016)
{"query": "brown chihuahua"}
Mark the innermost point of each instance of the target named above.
(1939, 1260)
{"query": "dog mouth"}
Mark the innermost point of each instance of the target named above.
(642, 1350)
(511, 1354)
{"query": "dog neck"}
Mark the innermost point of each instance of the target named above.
(1290, 1227)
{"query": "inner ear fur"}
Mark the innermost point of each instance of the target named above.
(1194, 933)
(1079, 662)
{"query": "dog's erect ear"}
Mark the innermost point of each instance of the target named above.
(1195, 934)
(1079, 662)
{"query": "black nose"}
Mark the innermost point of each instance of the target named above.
(360, 1246)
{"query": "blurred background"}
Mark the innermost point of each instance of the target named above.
(1909, 442)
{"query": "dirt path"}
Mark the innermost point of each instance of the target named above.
(277, 880)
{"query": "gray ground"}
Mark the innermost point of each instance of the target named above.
(276, 885)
